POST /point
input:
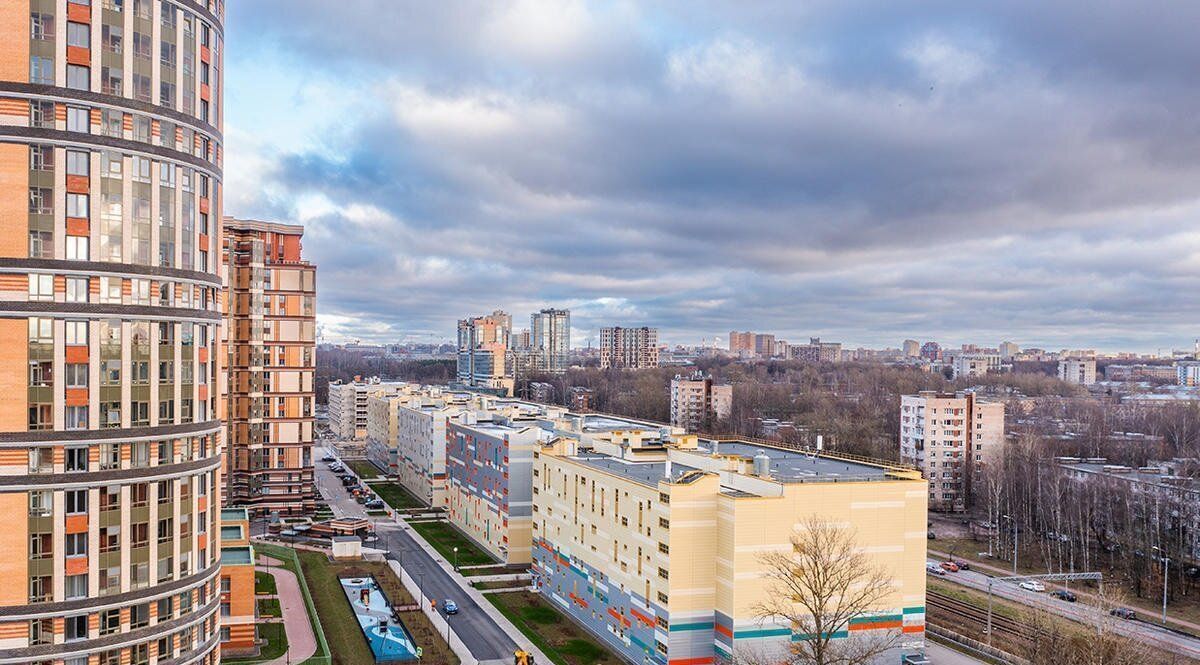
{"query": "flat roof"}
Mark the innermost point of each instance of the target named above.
(646, 473)
(794, 465)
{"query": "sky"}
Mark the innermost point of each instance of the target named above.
(865, 172)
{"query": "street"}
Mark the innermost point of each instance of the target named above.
(1147, 632)
(941, 655)
(479, 633)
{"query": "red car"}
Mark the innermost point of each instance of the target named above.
(950, 566)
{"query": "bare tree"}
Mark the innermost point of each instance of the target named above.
(817, 588)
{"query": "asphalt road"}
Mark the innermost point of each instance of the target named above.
(1088, 614)
(474, 627)
(481, 635)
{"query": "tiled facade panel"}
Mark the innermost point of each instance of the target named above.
(623, 619)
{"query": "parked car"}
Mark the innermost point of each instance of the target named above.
(962, 565)
(1063, 594)
(449, 606)
(375, 504)
(328, 458)
(950, 566)
(933, 568)
(1032, 585)
(1123, 613)
(348, 480)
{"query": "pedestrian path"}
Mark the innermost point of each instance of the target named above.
(302, 643)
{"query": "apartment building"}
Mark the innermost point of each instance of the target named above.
(628, 348)
(239, 607)
(911, 348)
(270, 333)
(489, 456)
(697, 403)
(741, 343)
(653, 542)
(975, 364)
(550, 337)
(483, 348)
(110, 428)
(348, 404)
(581, 398)
(1080, 371)
(951, 438)
(1187, 373)
(1140, 372)
(816, 351)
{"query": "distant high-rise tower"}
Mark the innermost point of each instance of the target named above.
(271, 308)
(912, 348)
(483, 346)
(628, 348)
(550, 335)
(110, 357)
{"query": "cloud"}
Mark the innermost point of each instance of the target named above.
(863, 171)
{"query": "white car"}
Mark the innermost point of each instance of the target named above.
(1032, 585)
(933, 568)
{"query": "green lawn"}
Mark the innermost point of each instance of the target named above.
(269, 607)
(346, 640)
(264, 584)
(444, 538)
(276, 644)
(396, 496)
(363, 469)
(564, 642)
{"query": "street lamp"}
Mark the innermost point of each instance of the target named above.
(456, 559)
(1166, 575)
(1015, 542)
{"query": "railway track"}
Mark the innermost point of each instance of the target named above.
(973, 619)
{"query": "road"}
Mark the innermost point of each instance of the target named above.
(481, 635)
(1082, 612)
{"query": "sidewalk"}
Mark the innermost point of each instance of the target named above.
(301, 642)
(1094, 598)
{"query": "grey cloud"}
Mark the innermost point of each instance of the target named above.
(868, 171)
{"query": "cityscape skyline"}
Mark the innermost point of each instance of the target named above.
(967, 177)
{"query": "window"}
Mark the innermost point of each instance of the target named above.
(79, 34)
(41, 200)
(77, 289)
(141, 128)
(76, 628)
(76, 332)
(78, 163)
(79, 77)
(77, 459)
(41, 244)
(78, 120)
(76, 586)
(41, 70)
(41, 503)
(139, 615)
(76, 501)
(77, 417)
(76, 544)
(41, 287)
(112, 36)
(77, 248)
(110, 621)
(77, 206)
(41, 26)
(41, 114)
(41, 158)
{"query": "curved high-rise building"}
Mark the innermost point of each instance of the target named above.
(110, 420)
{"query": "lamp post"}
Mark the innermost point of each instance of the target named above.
(1166, 576)
(456, 559)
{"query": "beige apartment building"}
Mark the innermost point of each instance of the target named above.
(628, 348)
(270, 332)
(697, 403)
(348, 404)
(1081, 371)
(951, 438)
